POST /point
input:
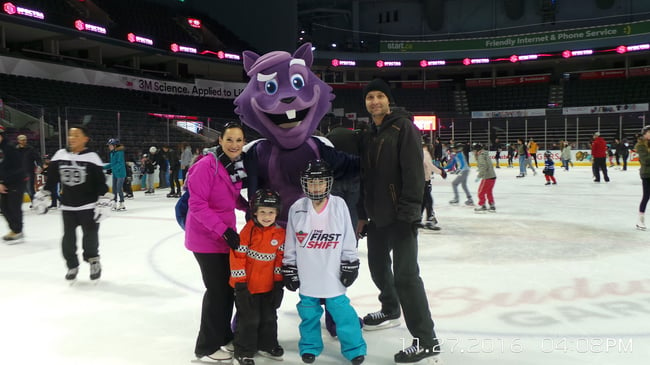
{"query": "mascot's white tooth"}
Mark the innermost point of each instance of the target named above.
(291, 114)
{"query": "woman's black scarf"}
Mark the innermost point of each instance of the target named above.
(235, 168)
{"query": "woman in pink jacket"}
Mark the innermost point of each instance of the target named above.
(214, 183)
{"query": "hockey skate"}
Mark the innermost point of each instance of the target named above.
(274, 353)
(453, 202)
(379, 320)
(415, 354)
(308, 358)
(244, 360)
(469, 202)
(358, 360)
(492, 209)
(482, 209)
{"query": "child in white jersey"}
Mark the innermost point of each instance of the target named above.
(320, 258)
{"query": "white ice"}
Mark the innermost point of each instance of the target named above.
(558, 275)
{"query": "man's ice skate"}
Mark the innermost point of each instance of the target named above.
(71, 275)
(469, 202)
(358, 360)
(453, 202)
(521, 175)
(379, 320)
(415, 354)
(218, 357)
(95, 268)
(481, 209)
(12, 237)
(274, 353)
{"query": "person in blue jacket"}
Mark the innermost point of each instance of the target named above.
(118, 170)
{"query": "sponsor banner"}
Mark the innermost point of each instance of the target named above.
(606, 74)
(518, 40)
(640, 71)
(503, 81)
(49, 71)
(606, 109)
(509, 113)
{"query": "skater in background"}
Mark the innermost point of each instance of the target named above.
(392, 179)
(174, 164)
(255, 276)
(117, 165)
(511, 154)
(488, 178)
(55, 191)
(599, 154)
(427, 199)
(522, 154)
(186, 160)
(549, 168)
(532, 151)
(622, 152)
(84, 199)
(459, 163)
(32, 163)
(610, 155)
(565, 154)
(148, 170)
(12, 187)
(128, 189)
(321, 259)
(497, 153)
(214, 183)
(643, 150)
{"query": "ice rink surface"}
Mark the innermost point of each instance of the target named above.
(559, 275)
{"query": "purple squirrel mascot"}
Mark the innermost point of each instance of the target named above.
(284, 102)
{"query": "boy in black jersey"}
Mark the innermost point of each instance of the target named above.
(79, 171)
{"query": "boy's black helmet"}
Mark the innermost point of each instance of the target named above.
(266, 198)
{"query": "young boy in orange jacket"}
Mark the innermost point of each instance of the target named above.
(255, 275)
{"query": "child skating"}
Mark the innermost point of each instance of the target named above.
(488, 178)
(320, 259)
(549, 168)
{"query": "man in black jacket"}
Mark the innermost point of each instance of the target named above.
(12, 187)
(392, 180)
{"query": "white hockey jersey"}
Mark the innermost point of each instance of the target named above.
(317, 243)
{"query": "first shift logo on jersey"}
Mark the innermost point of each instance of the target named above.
(319, 240)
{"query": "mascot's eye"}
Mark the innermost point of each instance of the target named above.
(297, 81)
(271, 87)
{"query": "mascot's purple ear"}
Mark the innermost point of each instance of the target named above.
(305, 53)
(249, 59)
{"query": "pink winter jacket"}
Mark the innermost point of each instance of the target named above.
(212, 204)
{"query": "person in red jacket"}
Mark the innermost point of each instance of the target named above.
(255, 275)
(599, 155)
